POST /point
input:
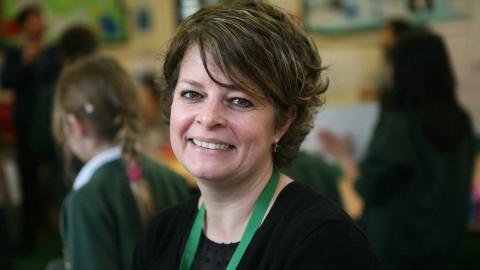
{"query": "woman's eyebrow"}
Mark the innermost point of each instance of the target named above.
(191, 82)
(200, 85)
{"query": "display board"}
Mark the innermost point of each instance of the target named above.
(106, 17)
(346, 16)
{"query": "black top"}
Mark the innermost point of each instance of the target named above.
(212, 255)
(303, 230)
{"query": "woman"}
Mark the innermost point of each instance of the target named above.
(242, 84)
(97, 116)
(414, 181)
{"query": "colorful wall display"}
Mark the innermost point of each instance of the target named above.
(345, 16)
(106, 17)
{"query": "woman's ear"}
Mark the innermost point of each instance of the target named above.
(289, 117)
(76, 127)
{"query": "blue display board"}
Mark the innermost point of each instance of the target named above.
(345, 16)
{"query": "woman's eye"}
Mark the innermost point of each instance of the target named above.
(190, 95)
(241, 102)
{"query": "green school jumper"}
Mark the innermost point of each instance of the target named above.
(477, 143)
(100, 223)
(313, 171)
(416, 198)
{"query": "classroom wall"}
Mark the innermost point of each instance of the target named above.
(143, 49)
(354, 60)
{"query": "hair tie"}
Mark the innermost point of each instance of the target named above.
(88, 108)
(134, 172)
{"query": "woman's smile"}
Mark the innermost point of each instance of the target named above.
(211, 145)
(218, 132)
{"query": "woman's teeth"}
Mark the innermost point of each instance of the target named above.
(212, 146)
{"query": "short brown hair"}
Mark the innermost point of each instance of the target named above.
(265, 45)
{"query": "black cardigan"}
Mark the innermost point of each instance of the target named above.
(303, 230)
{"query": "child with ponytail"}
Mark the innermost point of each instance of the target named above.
(97, 118)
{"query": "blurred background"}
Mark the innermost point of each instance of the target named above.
(350, 35)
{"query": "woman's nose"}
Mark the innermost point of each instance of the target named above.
(212, 115)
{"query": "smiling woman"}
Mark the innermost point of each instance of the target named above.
(242, 83)
(220, 132)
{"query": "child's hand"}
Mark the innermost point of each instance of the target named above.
(337, 146)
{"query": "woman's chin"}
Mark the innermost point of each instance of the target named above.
(206, 174)
(202, 167)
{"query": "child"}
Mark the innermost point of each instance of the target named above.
(97, 116)
(414, 180)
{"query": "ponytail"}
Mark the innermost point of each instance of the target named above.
(140, 188)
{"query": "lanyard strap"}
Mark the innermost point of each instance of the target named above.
(254, 223)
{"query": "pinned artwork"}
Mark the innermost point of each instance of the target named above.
(346, 16)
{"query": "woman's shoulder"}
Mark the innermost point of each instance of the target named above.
(303, 202)
(303, 211)
(333, 244)
(308, 231)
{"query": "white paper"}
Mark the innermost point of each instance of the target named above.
(357, 120)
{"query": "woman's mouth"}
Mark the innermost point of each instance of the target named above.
(212, 146)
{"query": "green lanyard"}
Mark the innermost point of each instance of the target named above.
(253, 224)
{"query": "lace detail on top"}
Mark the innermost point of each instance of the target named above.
(213, 256)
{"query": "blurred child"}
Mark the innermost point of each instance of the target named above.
(97, 118)
(28, 69)
(415, 179)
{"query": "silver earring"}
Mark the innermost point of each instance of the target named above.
(276, 148)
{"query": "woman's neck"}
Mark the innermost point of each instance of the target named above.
(229, 209)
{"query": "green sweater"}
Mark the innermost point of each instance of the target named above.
(100, 223)
(416, 198)
(316, 173)
(477, 143)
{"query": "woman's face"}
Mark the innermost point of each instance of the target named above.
(218, 132)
